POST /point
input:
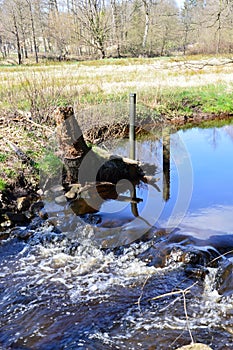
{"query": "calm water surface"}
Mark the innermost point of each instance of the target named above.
(200, 184)
(104, 281)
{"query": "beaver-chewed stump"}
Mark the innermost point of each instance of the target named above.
(84, 165)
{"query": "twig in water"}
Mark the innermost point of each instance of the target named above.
(187, 318)
(183, 292)
(140, 297)
(220, 256)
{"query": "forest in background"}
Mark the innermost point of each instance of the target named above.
(91, 29)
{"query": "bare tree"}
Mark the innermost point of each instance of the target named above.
(15, 31)
(53, 6)
(31, 14)
(95, 23)
(23, 24)
(187, 22)
(166, 32)
(11, 25)
(116, 25)
(147, 4)
(42, 19)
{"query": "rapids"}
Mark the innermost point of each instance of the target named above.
(116, 280)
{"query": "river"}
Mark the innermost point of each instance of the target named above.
(153, 274)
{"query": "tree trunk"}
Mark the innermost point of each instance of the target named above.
(147, 23)
(93, 176)
(33, 30)
(17, 40)
(22, 26)
(115, 29)
(71, 143)
(103, 54)
(219, 27)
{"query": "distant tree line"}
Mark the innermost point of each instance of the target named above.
(114, 28)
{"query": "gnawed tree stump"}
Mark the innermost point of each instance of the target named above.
(84, 164)
(70, 140)
(92, 173)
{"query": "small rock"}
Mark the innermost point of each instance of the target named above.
(40, 192)
(47, 193)
(196, 346)
(36, 207)
(43, 214)
(61, 199)
(72, 193)
(56, 188)
(18, 218)
(24, 235)
(23, 203)
(4, 235)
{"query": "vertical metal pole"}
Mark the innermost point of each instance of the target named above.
(132, 116)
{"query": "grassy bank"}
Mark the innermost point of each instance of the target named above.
(99, 90)
(164, 85)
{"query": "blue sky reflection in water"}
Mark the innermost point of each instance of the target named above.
(211, 205)
(201, 186)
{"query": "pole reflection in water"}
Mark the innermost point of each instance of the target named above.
(130, 200)
(134, 207)
(166, 164)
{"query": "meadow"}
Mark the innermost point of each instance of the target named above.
(166, 85)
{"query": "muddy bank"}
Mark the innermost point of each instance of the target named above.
(149, 125)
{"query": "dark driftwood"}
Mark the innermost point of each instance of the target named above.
(22, 156)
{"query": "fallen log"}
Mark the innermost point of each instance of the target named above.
(22, 156)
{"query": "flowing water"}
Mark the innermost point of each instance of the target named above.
(155, 273)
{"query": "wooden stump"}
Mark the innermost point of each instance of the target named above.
(81, 162)
(94, 173)
(72, 146)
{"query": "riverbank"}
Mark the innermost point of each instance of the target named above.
(21, 179)
(172, 92)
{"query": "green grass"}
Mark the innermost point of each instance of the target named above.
(10, 173)
(216, 100)
(3, 157)
(210, 99)
(42, 87)
(216, 123)
(3, 184)
(50, 164)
